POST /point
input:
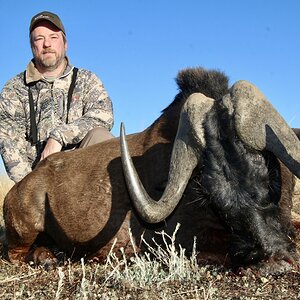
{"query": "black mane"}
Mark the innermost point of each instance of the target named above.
(211, 83)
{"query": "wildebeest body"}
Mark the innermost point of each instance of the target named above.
(58, 201)
(79, 202)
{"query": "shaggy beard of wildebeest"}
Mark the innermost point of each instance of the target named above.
(210, 162)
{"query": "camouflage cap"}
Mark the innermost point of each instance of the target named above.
(47, 16)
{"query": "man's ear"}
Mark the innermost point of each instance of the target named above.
(66, 45)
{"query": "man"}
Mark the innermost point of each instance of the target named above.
(52, 106)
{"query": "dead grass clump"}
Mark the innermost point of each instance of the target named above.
(5, 186)
(162, 263)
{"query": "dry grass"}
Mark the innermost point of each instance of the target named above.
(5, 185)
(162, 273)
(169, 274)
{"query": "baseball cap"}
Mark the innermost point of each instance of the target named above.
(46, 16)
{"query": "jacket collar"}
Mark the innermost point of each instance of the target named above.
(33, 75)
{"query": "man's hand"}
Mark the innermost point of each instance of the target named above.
(52, 146)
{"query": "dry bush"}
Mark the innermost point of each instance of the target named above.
(5, 185)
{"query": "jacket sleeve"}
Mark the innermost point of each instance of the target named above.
(12, 134)
(97, 112)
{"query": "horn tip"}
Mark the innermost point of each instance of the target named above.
(122, 129)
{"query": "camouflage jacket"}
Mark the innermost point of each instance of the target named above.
(90, 107)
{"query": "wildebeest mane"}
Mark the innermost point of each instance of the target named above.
(211, 83)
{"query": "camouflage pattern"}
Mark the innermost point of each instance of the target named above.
(90, 107)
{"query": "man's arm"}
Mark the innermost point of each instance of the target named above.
(12, 135)
(15, 161)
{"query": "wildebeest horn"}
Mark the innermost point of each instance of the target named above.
(187, 148)
(260, 126)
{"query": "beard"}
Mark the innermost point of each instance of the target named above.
(49, 59)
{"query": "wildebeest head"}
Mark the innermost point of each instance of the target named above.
(233, 140)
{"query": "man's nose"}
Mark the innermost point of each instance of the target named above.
(47, 42)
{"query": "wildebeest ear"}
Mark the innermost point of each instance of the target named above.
(261, 127)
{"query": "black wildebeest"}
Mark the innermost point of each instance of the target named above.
(214, 151)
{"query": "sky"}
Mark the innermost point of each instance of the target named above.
(137, 48)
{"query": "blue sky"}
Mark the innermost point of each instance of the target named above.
(137, 47)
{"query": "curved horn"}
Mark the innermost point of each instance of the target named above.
(261, 127)
(187, 148)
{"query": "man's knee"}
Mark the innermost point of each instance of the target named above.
(96, 135)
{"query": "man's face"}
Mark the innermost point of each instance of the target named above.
(48, 46)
